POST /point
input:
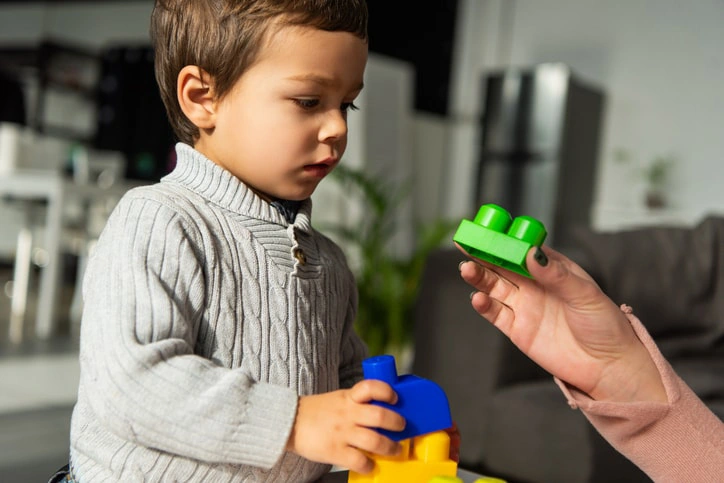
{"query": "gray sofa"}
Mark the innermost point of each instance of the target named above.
(513, 419)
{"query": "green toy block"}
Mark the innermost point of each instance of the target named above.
(497, 238)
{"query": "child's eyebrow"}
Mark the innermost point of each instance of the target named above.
(317, 79)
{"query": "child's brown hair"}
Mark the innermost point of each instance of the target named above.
(223, 38)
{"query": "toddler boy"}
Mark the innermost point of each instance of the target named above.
(217, 329)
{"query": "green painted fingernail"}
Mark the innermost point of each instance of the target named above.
(540, 257)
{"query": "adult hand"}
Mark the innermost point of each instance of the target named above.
(564, 322)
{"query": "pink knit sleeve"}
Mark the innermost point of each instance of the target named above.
(679, 441)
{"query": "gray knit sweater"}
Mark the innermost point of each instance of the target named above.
(205, 315)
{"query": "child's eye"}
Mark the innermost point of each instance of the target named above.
(307, 103)
(348, 106)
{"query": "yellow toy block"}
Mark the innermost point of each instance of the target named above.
(422, 458)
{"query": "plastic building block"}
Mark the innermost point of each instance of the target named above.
(497, 238)
(425, 445)
(421, 402)
(421, 459)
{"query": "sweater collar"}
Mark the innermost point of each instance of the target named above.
(212, 182)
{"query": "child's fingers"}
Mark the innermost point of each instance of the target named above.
(374, 416)
(373, 390)
(355, 460)
(373, 442)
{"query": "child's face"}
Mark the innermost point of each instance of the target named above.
(283, 126)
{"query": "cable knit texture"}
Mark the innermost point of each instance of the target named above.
(675, 442)
(205, 315)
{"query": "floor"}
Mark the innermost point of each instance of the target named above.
(40, 379)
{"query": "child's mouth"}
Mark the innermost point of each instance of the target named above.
(318, 170)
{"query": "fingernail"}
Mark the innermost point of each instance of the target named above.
(472, 294)
(540, 257)
(460, 265)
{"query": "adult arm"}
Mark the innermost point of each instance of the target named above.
(610, 366)
(677, 440)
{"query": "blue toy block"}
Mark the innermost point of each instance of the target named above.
(421, 402)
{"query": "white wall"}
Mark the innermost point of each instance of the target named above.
(87, 24)
(662, 66)
(660, 62)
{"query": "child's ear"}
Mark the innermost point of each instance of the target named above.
(196, 96)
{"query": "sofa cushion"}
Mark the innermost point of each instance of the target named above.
(534, 435)
(456, 348)
(673, 277)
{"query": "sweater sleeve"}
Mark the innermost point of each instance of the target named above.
(354, 349)
(144, 295)
(681, 440)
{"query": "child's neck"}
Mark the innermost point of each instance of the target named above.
(288, 208)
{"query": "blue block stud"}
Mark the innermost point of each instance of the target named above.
(421, 402)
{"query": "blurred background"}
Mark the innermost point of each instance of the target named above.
(601, 115)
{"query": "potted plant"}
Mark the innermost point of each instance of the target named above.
(387, 283)
(656, 177)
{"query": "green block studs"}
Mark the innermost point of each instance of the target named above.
(497, 238)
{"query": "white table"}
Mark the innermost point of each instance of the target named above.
(55, 189)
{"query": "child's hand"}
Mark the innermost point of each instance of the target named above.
(336, 427)
(454, 434)
(564, 322)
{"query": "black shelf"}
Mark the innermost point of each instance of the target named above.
(58, 68)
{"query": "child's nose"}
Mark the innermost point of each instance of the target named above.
(334, 126)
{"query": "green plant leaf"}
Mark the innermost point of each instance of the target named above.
(387, 285)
